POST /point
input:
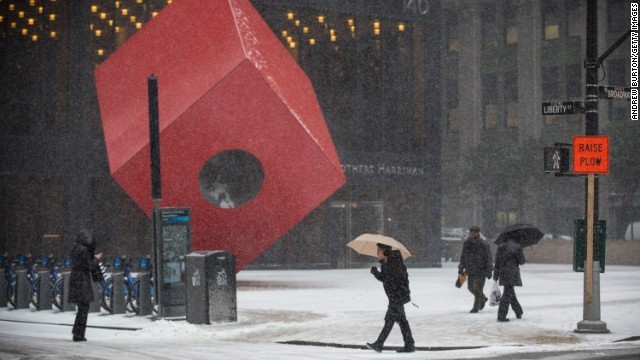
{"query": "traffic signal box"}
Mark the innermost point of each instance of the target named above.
(556, 160)
(580, 243)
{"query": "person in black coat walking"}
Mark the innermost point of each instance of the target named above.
(509, 257)
(476, 261)
(84, 261)
(395, 280)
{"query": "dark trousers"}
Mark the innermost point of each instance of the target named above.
(476, 287)
(80, 324)
(508, 298)
(395, 314)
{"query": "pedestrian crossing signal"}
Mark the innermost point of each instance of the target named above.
(556, 160)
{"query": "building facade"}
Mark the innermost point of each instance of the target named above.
(501, 61)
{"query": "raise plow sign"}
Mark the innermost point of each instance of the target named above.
(591, 154)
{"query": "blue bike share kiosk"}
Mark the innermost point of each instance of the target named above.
(172, 242)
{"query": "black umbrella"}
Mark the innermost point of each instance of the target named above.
(523, 234)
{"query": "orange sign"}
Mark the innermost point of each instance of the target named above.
(591, 154)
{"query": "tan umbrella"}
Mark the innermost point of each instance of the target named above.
(366, 244)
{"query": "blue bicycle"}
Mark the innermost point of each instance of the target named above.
(12, 286)
(56, 284)
(119, 263)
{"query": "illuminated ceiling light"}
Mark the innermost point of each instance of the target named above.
(376, 24)
(25, 31)
(289, 39)
(297, 22)
(117, 4)
(53, 34)
(103, 15)
(100, 52)
(1, 18)
(154, 14)
(376, 31)
(94, 8)
(12, 7)
(139, 1)
(32, 2)
(40, 10)
(320, 19)
(90, 26)
(31, 21)
(110, 22)
(98, 33)
(132, 19)
(305, 30)
(125, 12)
(52, 17)
(34, 37)
(312, 41)
(332, 32)
(353, 29)
(117, 29)
(290, 15)
(401, 27)
(292, 45)
(138, 25)
(21, 14)
(285, 33)
(350, 22)
(169, 2)
(333, 38)
(13, 25)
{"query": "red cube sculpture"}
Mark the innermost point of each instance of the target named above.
(226, 86)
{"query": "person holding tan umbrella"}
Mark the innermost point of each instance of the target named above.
(395, 280)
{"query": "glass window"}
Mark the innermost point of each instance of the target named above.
(489, 34)
(512, 115)
(574, 81)
(490, 116)
(512, 35)
(551, 19)
(574, 19)
(616, 21)
(550, 84)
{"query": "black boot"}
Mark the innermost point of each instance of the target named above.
(375, 346)
(407, 349)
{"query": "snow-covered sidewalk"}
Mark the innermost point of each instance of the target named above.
(345, 308)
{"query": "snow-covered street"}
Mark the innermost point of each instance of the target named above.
(290, 314)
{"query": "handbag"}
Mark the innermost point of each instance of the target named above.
(461, 279)
(98, 275)
(494, 298)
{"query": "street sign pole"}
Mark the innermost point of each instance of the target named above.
(591, 322)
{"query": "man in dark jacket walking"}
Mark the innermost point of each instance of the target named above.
(83, 263)
(509, 257)
(476, 261)
(395, 280)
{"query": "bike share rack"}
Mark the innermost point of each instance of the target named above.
(3, 288)
(44, 290)
(119, 294)
(22, 288)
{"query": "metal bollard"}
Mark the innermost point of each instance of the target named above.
(44, 291)
(144, 294)
(3, 289)
(66, 305)
(22, 289)
(118, 296)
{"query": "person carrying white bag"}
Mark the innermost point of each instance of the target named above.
(509, 257)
